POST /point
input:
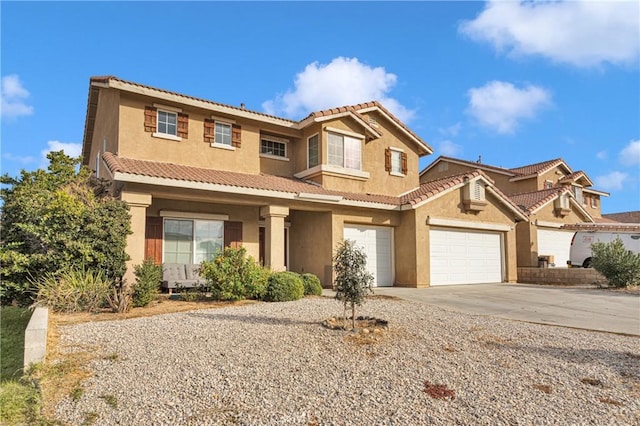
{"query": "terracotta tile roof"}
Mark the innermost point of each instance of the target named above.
(537, 168)
(604, 220)
(625, 217)
(612, 227)
(528, 202)
(474, 164)
(233, 179)
(106, 79)
(434, 187)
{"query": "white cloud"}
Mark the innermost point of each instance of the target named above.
(343, 81)
(580, 33)
(602, 155)
(452, 130)
(70, 149)
(630, 155)
(14, 97)
(611, 181)
(449, 148)
(24, 160)
(500, 105)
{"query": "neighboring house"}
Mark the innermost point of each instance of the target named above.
(550, 193)
(624, 217)
(200, 175)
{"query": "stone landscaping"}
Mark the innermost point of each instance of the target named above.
(275, 363)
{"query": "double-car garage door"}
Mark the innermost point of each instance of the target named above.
(465, 256)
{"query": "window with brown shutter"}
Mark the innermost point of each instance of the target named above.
(387, 160)
(150, 118)
(404, 163)
(209, 130)
(236, 135)
(183, 125)
(232, 234)
(153, 239)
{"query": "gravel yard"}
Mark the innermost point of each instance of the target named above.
(273, 363)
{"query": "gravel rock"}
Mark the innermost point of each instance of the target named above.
(275, 364)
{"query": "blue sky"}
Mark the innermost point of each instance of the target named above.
(516, 83)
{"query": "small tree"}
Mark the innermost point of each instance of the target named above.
(621, 267)
(353, 281)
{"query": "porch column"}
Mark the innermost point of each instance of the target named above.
(274, 236)
(138, 203)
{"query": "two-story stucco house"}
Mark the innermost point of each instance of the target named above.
(550, 193)
(199, 175)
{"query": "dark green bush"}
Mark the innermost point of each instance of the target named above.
(284, 287)
(312, 285)
(232, 275)
(147, 285)
(73, 290)
(621, 267)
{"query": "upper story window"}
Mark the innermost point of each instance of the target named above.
(272, 147)
(577, 191)
(344, 151)
(222, 133)
(166, 122)
(548, 184)
(313, 151)
(395, 162)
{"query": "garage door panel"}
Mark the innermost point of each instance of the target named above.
(376, 243)
(465, 257)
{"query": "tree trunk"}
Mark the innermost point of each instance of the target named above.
(353, 315)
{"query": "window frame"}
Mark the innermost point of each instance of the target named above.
(395, 152)
(345, 150)
(193, 241)
(166, 122)
(215, 134)
(317, 142)
(275, 140)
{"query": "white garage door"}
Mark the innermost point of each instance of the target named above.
(555, 243)
(376, 242)
(465, 257)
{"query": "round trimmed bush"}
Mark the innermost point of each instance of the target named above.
(312, 285)
(284, 287)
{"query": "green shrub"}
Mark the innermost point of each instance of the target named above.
(73, 290)
(284, 287)
(621, 267)
(147, 285)
(232, 275)
(312, 285)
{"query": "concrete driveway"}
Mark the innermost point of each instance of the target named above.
(586, 308)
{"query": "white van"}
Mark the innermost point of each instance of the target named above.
(580, 253)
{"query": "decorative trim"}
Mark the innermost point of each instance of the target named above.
(546, 224)
(327, 168)
(166, 136)
(192, 215)
(455, 223)
(223, 119)
(167, 107)
(274, 157)
(320, 197)
(344, 132)
(222, 146)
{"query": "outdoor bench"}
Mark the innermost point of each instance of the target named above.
(181, 275)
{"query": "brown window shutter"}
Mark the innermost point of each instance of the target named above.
(183, 125)
(150, 119)
(404, 163)
(232, 234)
(209, 130)
(236, 135)
(153, 239)
(387, 160)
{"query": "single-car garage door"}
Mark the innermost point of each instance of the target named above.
(465, 257)
(376, 242)
(556, 243)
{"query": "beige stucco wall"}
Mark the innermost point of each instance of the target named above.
(500, 180)
(311, 244)
(105, 132)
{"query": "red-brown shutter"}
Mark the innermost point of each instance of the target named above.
(404, 163)
(236, 135)
(387, 160)
(232, 234)
(209, 130)
(183, 125)
(150, 118)
(153, 239)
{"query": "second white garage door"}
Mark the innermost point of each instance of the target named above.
(465, 257)
(555, 243)
(376, 242)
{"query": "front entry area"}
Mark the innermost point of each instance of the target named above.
(465, 256)
(376, 241)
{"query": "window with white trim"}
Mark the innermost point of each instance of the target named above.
(222, 133)
(313, 151)
(548, 184)
(167, 123)
(396, 162)
(192, 241)
(344, 151)
(577, 191)
(273, 147)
